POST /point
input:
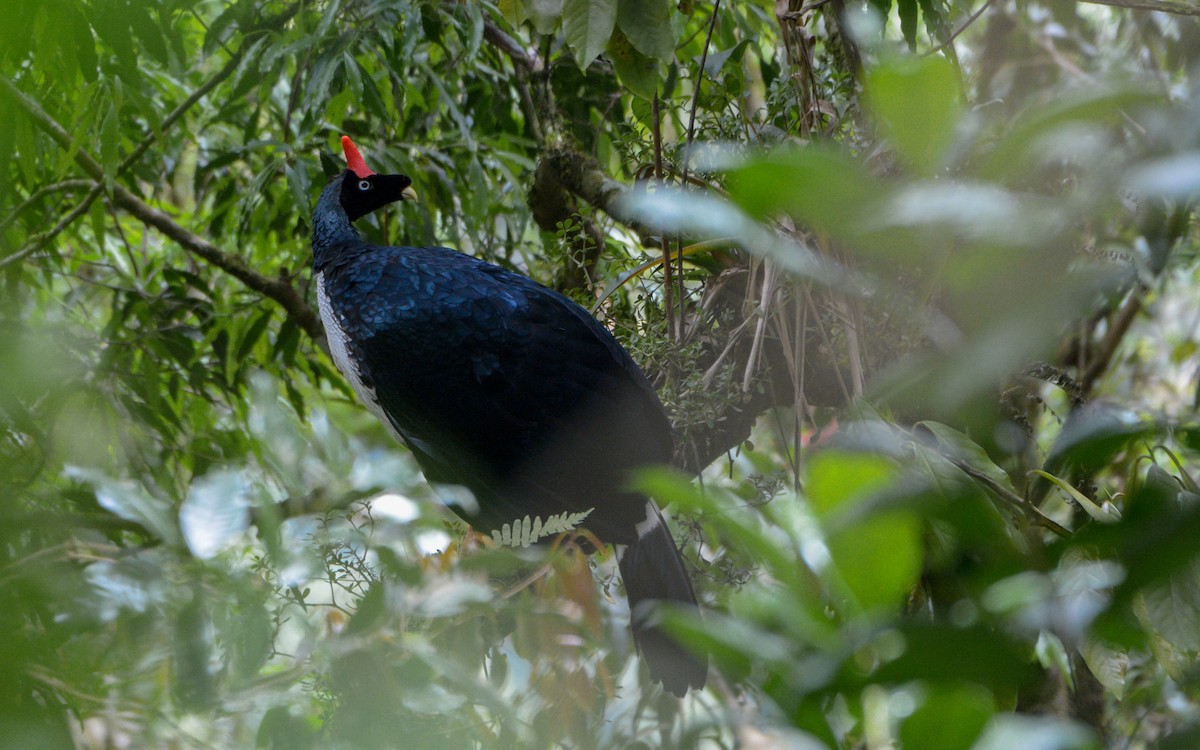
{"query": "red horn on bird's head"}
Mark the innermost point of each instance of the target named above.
(354, 159)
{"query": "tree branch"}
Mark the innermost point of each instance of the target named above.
(1178, 7)
(275, 288)
(582, 175)
(41, 240)
(526, 58)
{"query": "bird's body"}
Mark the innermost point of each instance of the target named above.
(504, 386)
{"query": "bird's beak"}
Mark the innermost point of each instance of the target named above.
(408, 194)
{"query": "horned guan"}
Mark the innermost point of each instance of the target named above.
(506, 387)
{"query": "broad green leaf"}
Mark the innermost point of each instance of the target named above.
(878, 556)
(917, 104)
(544, 14)
(513, 11)
(191, 656)
(837, 481)
(942, 653)
(879, 559)
(824, 188)
(588, 25)
(907, 10)
(950, 717)
(1176, 177)
(639, 73)
(958, 446)
(1109, 665)
(1093, 435)
(717, 60)
(647, 26)
(1097, 105)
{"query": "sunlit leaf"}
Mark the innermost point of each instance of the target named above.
(215, 512)
(131, 502)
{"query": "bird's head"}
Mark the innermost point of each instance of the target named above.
(364, 191)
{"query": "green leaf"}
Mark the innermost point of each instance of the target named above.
(717, 60)
(1109, 665)
(824, 188)
(879, 559)
(980, 654)
(588, 25)
(951, 717)
(639, 73)
(917, 103)
(885, 8)
(148, 31)
(1098, 105)
(837, 480)
(877, 556)
(647, 26)
(1093, 436)
(907, 10)
(544, 14)
(679, 211)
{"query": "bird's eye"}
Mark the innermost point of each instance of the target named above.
(364, 185)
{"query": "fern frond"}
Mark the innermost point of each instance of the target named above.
(526, 531)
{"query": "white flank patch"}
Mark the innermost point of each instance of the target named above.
(651, 522)
(339, 348)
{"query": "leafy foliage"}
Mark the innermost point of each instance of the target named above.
(927, 334)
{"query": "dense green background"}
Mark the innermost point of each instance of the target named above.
(928, 336)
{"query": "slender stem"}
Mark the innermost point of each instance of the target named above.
(39, 241)
(1117, 328)
(954, 35)
(1178, 7)
(691, 134)
(42, 192)
(668, 302)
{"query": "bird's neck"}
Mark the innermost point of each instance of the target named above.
(331, 228)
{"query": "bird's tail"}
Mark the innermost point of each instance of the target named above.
(653, 572)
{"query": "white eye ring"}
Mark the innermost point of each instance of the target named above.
(364, 185)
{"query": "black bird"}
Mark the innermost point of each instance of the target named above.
(502, 385)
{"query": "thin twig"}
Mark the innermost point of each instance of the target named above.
(970, 20)
(1108, 346)
(526, 58)
(668, 302)
(691, 134)
(1028, 509)
(1177, 7)
(42, 239)
(42, 192)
